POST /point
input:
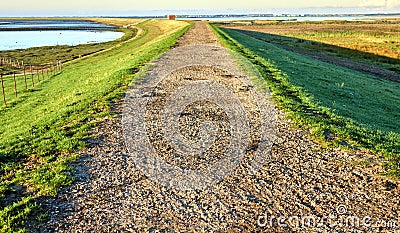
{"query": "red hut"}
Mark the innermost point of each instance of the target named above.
(171, 17)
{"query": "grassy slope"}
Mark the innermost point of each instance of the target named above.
(330, 100)
(48, 54)
(46, 124)
(348, 93)
(372, 42)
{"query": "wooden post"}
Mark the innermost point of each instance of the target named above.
(26, 84)
(42, 73)
(15, 86)
(33, 82)
(37, 73)
(2, 88)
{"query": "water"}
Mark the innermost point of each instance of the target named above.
(52, 24)
(53, 33)
(10, 40)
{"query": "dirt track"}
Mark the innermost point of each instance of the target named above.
(300, 178)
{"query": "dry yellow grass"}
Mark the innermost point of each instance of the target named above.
(380, 38)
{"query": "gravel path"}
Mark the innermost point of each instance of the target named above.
(300, 180)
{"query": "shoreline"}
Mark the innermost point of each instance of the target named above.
(50, 24)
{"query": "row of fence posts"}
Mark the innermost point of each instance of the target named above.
(38, 71)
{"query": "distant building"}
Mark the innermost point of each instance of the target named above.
(171, 17)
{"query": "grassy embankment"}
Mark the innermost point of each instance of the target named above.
(341, 107)
(47, 54)
(41, 129)
(369, 42)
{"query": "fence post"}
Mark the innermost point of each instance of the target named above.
(26, 84)
(33, 82)
(37, 73)
(2, 88)
(42, 72)
(15, 86)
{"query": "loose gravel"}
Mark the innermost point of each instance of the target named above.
(300, 180)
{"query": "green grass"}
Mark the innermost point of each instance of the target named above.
(43, 127)
(381, 48)
(48, 54)
(375, 43)
(9, 86)
(354, 109)
(13, 216)
(343, 44)
(348, 93)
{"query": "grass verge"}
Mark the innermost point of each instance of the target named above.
(43, 127)
(321, 97)
(64, 53)
(376, 42)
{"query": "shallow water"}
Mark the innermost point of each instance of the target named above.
(56, 33)
(10, 40)
(69, 24)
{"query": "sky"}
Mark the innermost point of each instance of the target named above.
(160, 7)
